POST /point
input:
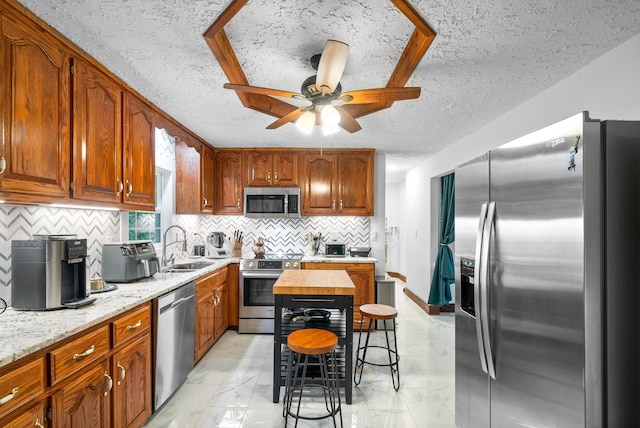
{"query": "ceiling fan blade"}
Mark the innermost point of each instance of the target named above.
(347, 122)
(331, 66)
(291, 117)
(263, 91)
(379, 95)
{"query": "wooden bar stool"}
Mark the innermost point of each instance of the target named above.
(320, 344)
(378, 312)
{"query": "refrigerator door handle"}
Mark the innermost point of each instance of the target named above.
(477, 287)
(484, 292)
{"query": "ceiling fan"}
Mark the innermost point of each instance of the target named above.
(324, 92)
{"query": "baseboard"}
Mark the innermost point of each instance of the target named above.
(429, 309)
(397, 275)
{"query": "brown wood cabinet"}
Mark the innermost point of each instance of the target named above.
(363, 277)
(139, 167)
(33, 417)
(97, 135)
(100, 377)
(85, 400)
(338, 182)
(34, 83)
(266, 168)
(194, 177)
(229, 187)
(211, 310)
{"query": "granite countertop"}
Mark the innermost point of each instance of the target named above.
(25, 332)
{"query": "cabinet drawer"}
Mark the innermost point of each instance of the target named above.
(131, 325)
(207, 283)
(21, 384)
(77, 354)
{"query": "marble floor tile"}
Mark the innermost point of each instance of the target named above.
(231, 386)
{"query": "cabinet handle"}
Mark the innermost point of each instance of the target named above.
(238, 203)
(120, 186)
(3, 164)
(205, 202)
(38, 424)
(341, 204)
(136, 325)
(275, 176)
(123, 373)
(109, 383)
(269, 176)
(9, 397)
(129, 187)
(333, 204)
(85, 353)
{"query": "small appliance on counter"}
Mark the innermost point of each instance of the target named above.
(335, 250)
(217, 246)
(359, 251)
(50, 272)
(129, 261)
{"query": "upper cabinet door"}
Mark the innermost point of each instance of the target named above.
(188, 159)
(139, 153)
(355, 182)
(34, 88)
(285, 168)
(319, 190)
(97, 135)
(258, 168)
(207, 179)
(229, 190)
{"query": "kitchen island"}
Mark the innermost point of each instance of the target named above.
(332, 290)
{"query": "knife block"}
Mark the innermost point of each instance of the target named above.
(236, 249)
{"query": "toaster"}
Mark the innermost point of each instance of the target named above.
(129, 261)
(359, 251)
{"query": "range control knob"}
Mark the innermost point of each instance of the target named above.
(287, 265)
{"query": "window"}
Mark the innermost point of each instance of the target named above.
(145, 226)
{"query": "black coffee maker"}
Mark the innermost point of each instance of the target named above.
(49, 272)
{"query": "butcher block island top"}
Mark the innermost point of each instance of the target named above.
(310, 282)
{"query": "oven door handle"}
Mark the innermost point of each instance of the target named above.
(259, 275)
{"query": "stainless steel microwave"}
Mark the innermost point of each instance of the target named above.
(278, 202)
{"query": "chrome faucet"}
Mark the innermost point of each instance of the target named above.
(165, 245)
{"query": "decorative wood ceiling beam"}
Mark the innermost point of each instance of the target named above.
(215, 36)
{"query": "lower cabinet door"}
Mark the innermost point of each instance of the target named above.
(84, 402)
(204, 336)
(30, 418)
(132, 384)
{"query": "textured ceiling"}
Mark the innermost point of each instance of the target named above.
(488, 57)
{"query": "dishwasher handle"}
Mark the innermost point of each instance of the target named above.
(178, 302)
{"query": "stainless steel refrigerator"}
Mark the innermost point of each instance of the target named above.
(547, 253)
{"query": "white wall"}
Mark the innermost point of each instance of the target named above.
(609, 88)
(395, 212)
(376, 234)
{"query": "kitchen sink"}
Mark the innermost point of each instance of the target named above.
(187, 267)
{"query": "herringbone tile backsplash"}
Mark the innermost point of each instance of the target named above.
(21, 222)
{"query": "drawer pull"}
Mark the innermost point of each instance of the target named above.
(9, 397)
(123, 373)
(136, 325)
(38, 424)
(85, 353)
(109, 383)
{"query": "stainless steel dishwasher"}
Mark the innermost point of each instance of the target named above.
(174, 340)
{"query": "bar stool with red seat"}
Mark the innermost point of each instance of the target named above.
(320, 344)
(383, 313)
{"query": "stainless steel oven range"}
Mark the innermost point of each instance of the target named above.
(257, 303)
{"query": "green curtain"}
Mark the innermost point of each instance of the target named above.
(444, 272)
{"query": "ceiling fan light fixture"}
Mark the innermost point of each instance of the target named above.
(306, 122)
(331, 66)
(330, 116)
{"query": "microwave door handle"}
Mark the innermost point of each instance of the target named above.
(486, 294)
(286, 205)
(477, 287)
